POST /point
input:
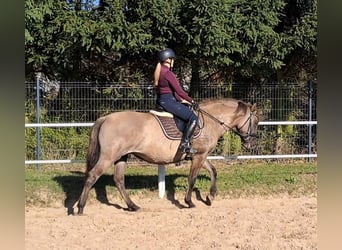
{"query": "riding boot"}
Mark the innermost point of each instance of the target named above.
(185, 146)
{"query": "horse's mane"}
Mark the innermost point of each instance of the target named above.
(242, 106)
(210, 100)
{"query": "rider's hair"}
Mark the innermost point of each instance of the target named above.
(157, 74)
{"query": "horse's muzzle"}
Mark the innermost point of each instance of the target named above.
(249, 142)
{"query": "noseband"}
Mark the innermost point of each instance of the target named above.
(246, 136)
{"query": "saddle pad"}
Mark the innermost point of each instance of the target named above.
(161, 113)
(170, 129)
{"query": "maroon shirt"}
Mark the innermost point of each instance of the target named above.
(168, 84)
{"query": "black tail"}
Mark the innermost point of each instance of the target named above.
(94, 147)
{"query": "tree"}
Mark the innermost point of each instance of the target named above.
(300, 26)
(225, 40)
(81, 43)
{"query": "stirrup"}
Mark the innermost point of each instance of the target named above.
(190, 150)
(188, 157)
(187, 149)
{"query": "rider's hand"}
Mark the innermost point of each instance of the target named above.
(195, 105)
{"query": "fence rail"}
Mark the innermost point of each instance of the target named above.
(89, 124)
(242, 157)
(66, 110)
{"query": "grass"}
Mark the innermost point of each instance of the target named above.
(55, 185)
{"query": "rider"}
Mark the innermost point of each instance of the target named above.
(170, 97)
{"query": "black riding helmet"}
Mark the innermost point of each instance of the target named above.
(165, 54)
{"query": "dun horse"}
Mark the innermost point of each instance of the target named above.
(116, 135)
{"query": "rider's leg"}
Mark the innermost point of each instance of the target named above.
(169, 103)
(185, 146)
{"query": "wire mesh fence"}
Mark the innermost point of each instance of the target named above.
(84, 102)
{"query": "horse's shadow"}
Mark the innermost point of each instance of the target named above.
(73, 184)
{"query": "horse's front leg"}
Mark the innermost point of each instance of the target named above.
(119, 179)
(213, 176)
(194, 170)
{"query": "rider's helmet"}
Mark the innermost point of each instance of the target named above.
(165, 54)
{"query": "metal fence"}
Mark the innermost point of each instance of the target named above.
(55, 111)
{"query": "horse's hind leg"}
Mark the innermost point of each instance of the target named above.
(119, 179)
(92, 176)
(213, 176)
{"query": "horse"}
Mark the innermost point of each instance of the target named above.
(116, 135)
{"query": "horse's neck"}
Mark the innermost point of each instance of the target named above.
(225, 111)
(221, 113)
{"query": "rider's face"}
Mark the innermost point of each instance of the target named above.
(171, 62)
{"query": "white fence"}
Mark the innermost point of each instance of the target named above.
(53, 107)
(245, 157)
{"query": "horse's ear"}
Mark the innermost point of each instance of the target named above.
(241, 108)
(253, 107)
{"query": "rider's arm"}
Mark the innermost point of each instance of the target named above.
(177, 88)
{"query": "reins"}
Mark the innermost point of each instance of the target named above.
(227, 127)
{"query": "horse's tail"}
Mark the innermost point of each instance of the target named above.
(94, 147)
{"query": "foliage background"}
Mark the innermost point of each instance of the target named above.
(222, 40)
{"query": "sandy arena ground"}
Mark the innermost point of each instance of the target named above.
(257, 223)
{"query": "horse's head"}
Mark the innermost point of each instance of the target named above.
(239, 117)
(247, 125)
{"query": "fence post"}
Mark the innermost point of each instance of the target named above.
(161, 180)
(38, 152)
(310, 119)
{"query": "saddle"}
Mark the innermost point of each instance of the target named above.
(171, 125)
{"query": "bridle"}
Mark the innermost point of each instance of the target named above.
(247, 136)
(244, 136)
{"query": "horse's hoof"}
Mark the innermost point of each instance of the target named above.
(133, 208)
(190, 204)
(80, 211)
(209, 200)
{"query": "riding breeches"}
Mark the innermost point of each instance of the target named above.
(170, 104)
